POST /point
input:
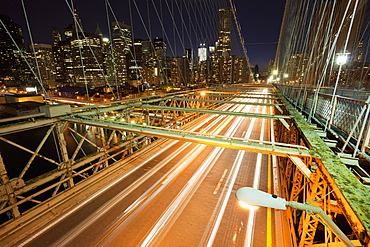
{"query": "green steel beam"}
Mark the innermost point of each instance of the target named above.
(157, 97)
(225, 102)
(206, 111)
(227, 142)
(241, 96)
(19, 127)
(336, 172)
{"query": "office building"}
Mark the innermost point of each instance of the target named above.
(42, 62)
(223, 44)
(13, 68)
(122, 43)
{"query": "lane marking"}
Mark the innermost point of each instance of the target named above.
(269, 188)
(93, 196)
(219, 183)
(256, 180)
(269, 210)
(231, 181)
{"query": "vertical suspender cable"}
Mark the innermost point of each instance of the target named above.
(111, 48)
(79, 42)
(32, 44)
(240, 35)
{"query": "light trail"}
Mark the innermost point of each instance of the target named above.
(230, 181)
(83, 225)
(219, 182)
(175, 208)
(170, 176)
(187, 192)
(119, 197)
(269, 188)
(256, 180)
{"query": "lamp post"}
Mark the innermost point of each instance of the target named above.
(256, 197)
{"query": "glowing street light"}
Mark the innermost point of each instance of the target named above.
(256, 197)
(247, 206)
(341, 58)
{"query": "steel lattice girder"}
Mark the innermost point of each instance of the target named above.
(18, 127)
(206, 111)
(196, 137)
(226, 102)
(351, 194)
(241, 96)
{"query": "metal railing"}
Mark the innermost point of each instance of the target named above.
(347, 118)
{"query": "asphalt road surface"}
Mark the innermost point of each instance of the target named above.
(181, 194)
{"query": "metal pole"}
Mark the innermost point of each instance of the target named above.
(4, 179)
(63, 147)
(365, 143)
(362, 129)
(317, 210)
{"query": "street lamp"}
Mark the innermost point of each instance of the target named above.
(342, 58)
(256, 197)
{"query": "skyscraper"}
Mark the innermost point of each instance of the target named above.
(56, 37)
(87, 58)
(160, 50)
(202, 53)
(136, 60)
(13, 69)
(42, 61)
(223, 45)
(189, 54)
(122, 43)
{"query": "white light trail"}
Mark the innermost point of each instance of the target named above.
(109, 204)
(231, 181)
(256, 179)
(176, 206)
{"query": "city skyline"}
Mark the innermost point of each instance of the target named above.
(260, 42)
(83, 59)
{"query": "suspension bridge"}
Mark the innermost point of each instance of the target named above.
(162, 168)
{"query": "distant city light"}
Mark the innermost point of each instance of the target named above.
(341, 58)
(31, 89)
(202, 53)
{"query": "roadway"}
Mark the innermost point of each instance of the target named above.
(179, 194)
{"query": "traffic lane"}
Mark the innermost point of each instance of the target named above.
(119, 235)
(199, 216)
(134, 229)
(229, 230)
(70, 223)
(80, 214)
(117, 215)
(112, 225)
(201, 210)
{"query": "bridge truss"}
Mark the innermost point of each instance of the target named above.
(90, 142)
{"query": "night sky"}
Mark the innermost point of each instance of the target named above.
(260, 21)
